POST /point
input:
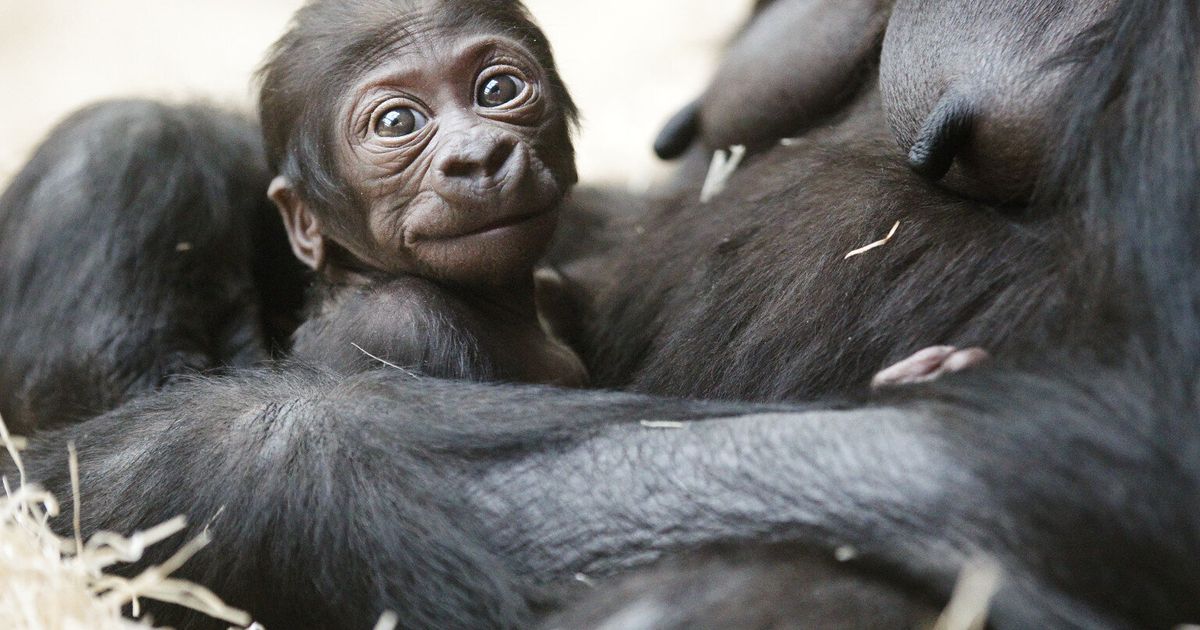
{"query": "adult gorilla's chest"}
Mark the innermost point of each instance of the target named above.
(750, 296)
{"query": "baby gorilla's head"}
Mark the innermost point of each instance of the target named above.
(418, 137)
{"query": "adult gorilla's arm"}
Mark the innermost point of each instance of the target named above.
(331, 499)
(919, 488)
(447, 502)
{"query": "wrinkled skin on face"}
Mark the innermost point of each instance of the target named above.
(449, 148)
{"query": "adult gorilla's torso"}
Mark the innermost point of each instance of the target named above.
(750, 296)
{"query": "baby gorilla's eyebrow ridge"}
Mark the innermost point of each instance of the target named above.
(392, 39)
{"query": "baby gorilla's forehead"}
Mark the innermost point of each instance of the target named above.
(438, 55)
(430, 28)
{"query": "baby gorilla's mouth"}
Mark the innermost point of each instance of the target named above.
(492, 240)
(475, 223)
(502, 223)
(490, 249)
(496, 226)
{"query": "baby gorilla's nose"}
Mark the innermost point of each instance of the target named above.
(478, 165)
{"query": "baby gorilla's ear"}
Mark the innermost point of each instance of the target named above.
(303, 227)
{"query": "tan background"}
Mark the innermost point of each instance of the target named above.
(629, 63)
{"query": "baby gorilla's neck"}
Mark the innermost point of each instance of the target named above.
(360, 321)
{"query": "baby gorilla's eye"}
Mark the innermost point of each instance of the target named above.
(500, 90)
(400, 122)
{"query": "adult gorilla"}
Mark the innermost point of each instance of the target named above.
(1072, 464)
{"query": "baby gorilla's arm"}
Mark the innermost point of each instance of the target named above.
(405, 323)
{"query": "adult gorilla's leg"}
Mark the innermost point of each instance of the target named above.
(128, 258)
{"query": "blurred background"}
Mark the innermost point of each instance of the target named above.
(629, 63)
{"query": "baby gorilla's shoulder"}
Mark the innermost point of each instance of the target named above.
(408, 323)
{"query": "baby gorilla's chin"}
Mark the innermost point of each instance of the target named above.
(494, 254)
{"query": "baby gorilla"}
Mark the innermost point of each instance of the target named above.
(423, 148)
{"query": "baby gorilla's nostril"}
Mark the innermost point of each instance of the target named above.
(457, 168)
(499, 157)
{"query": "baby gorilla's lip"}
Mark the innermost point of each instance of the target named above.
(496, 225)
(504, 223)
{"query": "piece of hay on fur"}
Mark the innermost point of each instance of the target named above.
(968, 609)
(662, 424)
(388, 621)
(880, 243)
(724, 164)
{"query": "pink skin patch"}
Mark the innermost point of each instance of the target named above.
(929, 364)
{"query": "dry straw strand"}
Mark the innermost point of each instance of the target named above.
(724, 164)
(972, 597)
(880, 243)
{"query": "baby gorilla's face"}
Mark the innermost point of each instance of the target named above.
(453, 147)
